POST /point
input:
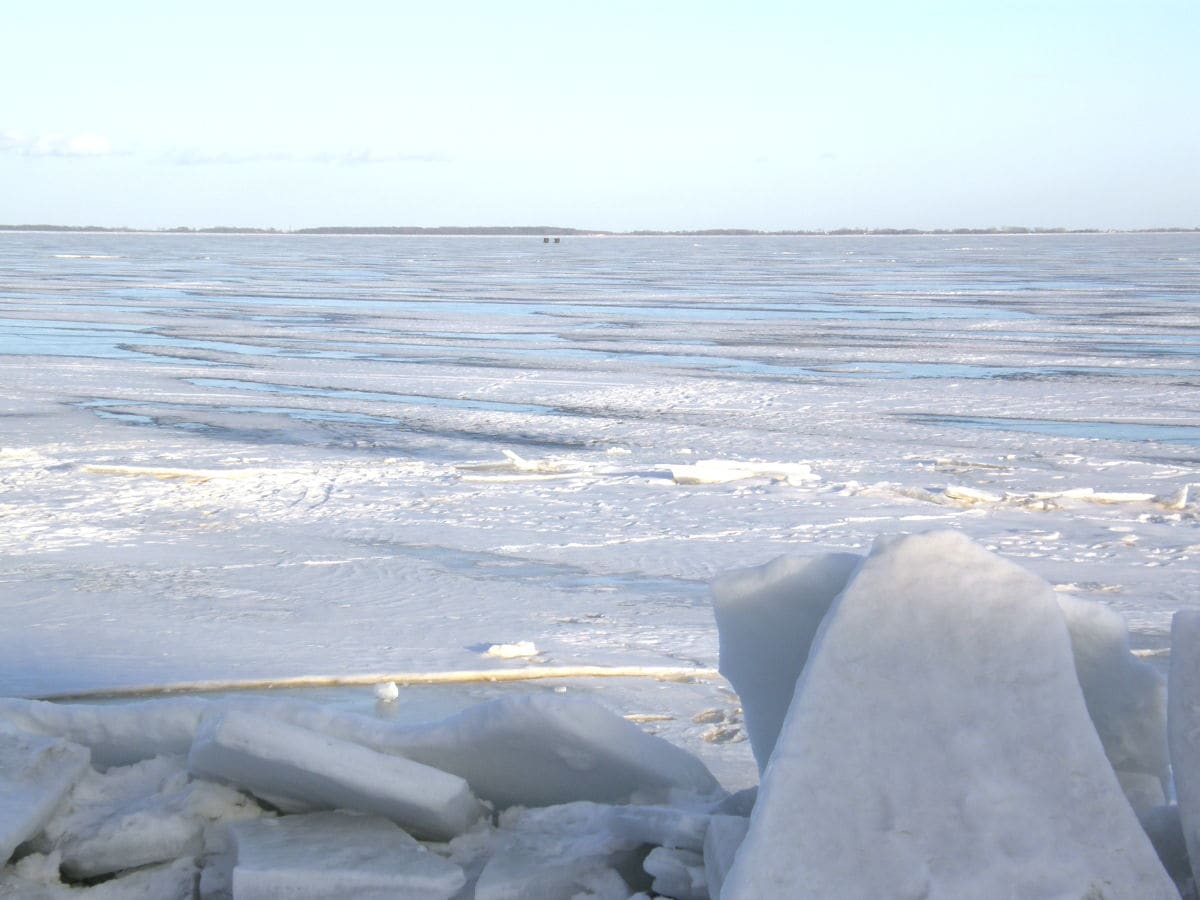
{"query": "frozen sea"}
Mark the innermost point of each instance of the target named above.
(260, 457)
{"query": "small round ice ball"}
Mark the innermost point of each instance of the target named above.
(387, 691)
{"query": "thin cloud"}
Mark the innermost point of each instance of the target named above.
(87, 143)
(207, 158)
(341, 158)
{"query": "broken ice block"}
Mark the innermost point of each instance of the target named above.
(938, 746)
(277, 760)
(136, 815)
(336, 854)
(677, 873)
(35, 775)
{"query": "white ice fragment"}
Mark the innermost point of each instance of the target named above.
(336, 854)
(938, 746)
(1177, 500)
(720, 471)
(36, 772)
(971, 495)
(516, 650)
(664, 826)
(315, 771)
(387, 691)
(137, 815)
(767, 616)
(1184, 724)
(677, 873)
(36, 879)
(555, 852)
(721, 842)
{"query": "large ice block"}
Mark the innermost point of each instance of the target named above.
(36, 773)
(938, 746)
(336, 854)
(276, 760)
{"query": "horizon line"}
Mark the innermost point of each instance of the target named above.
(551, 231)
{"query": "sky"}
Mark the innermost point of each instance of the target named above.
(616, 115)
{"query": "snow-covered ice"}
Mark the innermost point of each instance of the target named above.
(36, 878)
(249, 459)
(938, 746)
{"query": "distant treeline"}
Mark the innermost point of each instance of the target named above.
(546, 230)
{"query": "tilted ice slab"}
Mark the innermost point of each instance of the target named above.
(336, 854)
(534, 750)
(1184, 725)
(35, 775)
(303, 770)
(938, 747)
(768, 615)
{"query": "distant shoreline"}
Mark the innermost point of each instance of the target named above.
(550, 231)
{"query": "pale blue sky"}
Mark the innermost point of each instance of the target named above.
(616, 115)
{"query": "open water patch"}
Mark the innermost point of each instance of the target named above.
(1166, 433)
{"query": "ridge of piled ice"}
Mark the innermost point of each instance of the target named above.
(306, 770)
(529, 750)
(938, 746)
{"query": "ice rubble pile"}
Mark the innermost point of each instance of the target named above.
(930, 721)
